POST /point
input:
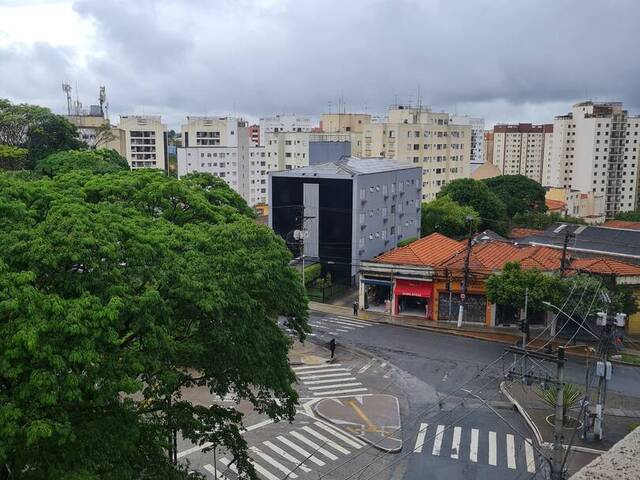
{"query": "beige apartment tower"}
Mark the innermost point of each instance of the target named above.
(145, 141)
(423, 138)
(520, 149)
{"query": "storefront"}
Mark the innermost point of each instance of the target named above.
(413, 297)
(377, 294)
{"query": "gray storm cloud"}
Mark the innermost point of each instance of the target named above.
(505, 60)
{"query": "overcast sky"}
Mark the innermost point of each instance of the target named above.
(505, 60)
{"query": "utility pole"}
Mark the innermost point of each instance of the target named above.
(463, 297)
(563, 262)
(557, 472)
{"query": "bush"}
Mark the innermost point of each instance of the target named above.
(407, 241)
(312, 273)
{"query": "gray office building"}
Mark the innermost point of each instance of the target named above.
(353, 209)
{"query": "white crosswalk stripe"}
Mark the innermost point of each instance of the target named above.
(346, 323)
(310, 377)
(216, 473)
(325, 440)
(287, 456)
(335, 385)
(272, 461)
(311, 367)
(354, 442)
(493, 450)
(314, 445)
(301, 451)
(341, 392)
(324, 370)
(317, 382)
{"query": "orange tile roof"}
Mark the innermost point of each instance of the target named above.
(622, 224)
(606, 266)
(430, 251)
(519, 232)
(554, 204)
(492, 256)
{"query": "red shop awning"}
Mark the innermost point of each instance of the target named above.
(413, 288)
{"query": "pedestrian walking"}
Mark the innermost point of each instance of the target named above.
(332, 347)
(355, 309)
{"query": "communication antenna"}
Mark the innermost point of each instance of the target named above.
(66, 88)
(102, 98)
(78, 106)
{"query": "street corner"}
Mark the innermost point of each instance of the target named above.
(373, 418)
(307, 354)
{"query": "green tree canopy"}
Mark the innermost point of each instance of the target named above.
(117, 293)
(477, 195)
(509, 287)
(37, 129)
(448, 217)
(520, 194)
(12, 158)
(98, 161)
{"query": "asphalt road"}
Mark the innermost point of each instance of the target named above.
(463, 438)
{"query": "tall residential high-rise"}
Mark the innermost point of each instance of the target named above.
(145, 141)
(595, 149)
(520, 149)
(284, 123)
(349, 125)
(477, 137)
(424, 138)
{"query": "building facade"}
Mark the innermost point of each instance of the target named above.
(425, 139)
(145, 141)
(477, 137)
(595, 149)
(284, 123)
(520, 149)
(353, 210)
(488, 146)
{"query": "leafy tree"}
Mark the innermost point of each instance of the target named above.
(217, 192)
(509, 287)
(520, 194)
(118, 293)
(98, 161)
(104, 135)
(571, 398)
(542, 221)
(633, 216)
(448, 217)
(37, 129)
(12, 158)
(476, 194)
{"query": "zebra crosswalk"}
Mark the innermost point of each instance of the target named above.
(466, 444)
(292, 455)
(336, 325)
(329, 380)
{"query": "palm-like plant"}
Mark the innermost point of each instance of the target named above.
(571, 398)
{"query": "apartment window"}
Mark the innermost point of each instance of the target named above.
(363, 194)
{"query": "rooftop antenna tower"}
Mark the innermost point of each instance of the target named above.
(77, 106)
(102, 98)
(66, 88)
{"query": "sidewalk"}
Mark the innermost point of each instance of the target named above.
(506, 335)
(620, 414)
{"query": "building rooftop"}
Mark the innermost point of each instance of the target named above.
(347, 167)
(519, 232)
(601, 240)
(430, 251)
(554, 205)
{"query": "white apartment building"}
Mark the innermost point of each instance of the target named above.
(423, 138)
(521, 149)
(145, 141)
(284, 123)
(477, 137)
(211, 131)
(595, 149)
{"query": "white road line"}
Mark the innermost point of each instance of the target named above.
(325, 370)
(422, 431)
(511, 452)
(258, 425)
(326, 440)
(321, 327)
(309, 367)
(316, 382)
(264, 472)
(301, 451)
(227, 463)
(341, 392)
(473, 448)
(383, 364)
(367, 366)
(346, 323)
(437, 442)
(269, 459)
(355, 443)
(287, 456)
(336, 385)
(216, 473)
(493, 449)
(197, 448)
(455, 443)
(328, 375)
(315, 446)
(528, 452)
(353, 320)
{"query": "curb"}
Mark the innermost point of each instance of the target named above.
(527, 418)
